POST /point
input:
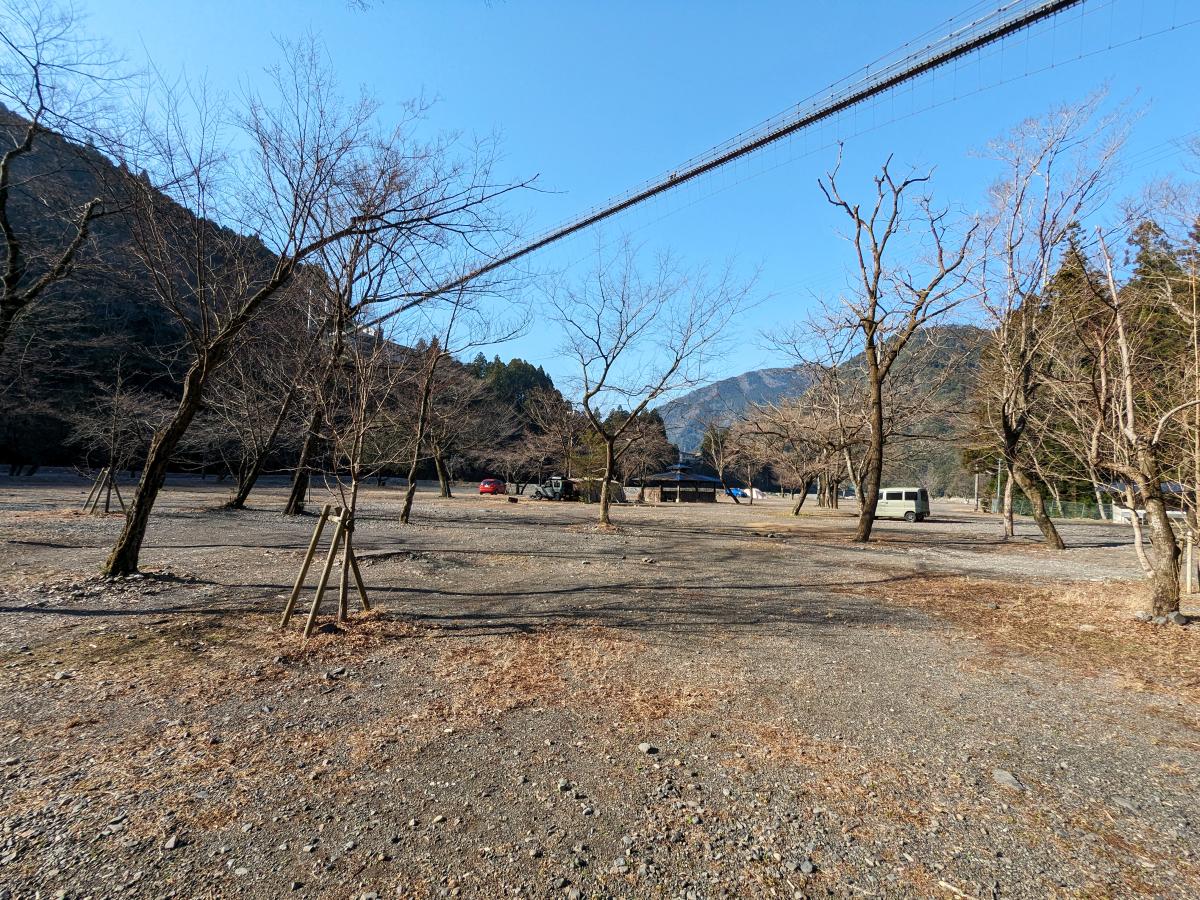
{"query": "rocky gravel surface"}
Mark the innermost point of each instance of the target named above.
(704, 702)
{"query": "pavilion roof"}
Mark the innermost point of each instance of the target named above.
(680, 474)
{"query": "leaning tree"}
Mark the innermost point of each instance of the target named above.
(221, 234)
(1056, 169)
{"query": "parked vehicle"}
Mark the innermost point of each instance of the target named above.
(1123, 515)
(908, 503)
(493, 486)
(555, 488)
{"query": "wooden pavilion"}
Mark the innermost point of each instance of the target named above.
(679, 484)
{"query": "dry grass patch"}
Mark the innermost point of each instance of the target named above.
(1086, 627)
(579, 667)
(574, 668)
(175, 746)
(873, 799)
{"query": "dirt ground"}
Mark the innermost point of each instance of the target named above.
(707, 701)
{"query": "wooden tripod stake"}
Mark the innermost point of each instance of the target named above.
(103, 486)
(343, 537)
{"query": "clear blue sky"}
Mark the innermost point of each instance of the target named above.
(595, 97)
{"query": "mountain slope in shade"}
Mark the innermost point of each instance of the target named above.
(723, 401)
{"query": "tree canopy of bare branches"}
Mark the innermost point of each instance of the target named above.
(635, 332)
(911, 270)
(318, 173)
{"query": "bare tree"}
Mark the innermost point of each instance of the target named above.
(464, 418)
(892, 300)
(433, 355)
(465, 325)
(1057, 169)
(1124, 395)
(649, 448)
(823, 434)
(719, 450)
(634, 337)
(361, 400)
(256, 392)
(1175, 277)
(1145, 410)
(519, 460)
(556, 432)
(752, 452)
(306, 148)
(805, 439)
(117, 428)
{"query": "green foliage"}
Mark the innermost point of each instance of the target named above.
(511, 382)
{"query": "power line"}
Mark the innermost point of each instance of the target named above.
(963, 41)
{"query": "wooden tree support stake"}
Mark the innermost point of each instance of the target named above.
(104, 486)
(308, 558)
(342, 539)
(1190, 563)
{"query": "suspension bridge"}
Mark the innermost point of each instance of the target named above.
(966, 35)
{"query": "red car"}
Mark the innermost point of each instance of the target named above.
(492, 486)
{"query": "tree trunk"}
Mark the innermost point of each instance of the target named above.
(869, 499)
(803, 496)
(300, 478)
(123, 560)
(411, 490)
(249, 477)
(1099, 497)
(442, 475)
(435, 353)
(1030, 489)
(1139, 539)
(246, 481)
(1006, 507)
(850, 471)
(605, 498)
(724, 489)
(1164, 592)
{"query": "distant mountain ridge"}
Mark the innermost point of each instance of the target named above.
(724, 401)
(936, 465)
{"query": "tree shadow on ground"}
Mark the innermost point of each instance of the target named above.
(665, 611)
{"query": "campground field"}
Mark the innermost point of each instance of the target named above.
(706, 701)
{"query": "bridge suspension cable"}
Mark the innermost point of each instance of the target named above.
(1006, 20)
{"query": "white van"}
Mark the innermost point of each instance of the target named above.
(908, 503)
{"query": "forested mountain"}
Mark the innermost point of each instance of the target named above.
(950, 359)
(724, 401)
(98, 359)
(69, 344)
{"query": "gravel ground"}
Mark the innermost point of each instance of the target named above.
(704, 702)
